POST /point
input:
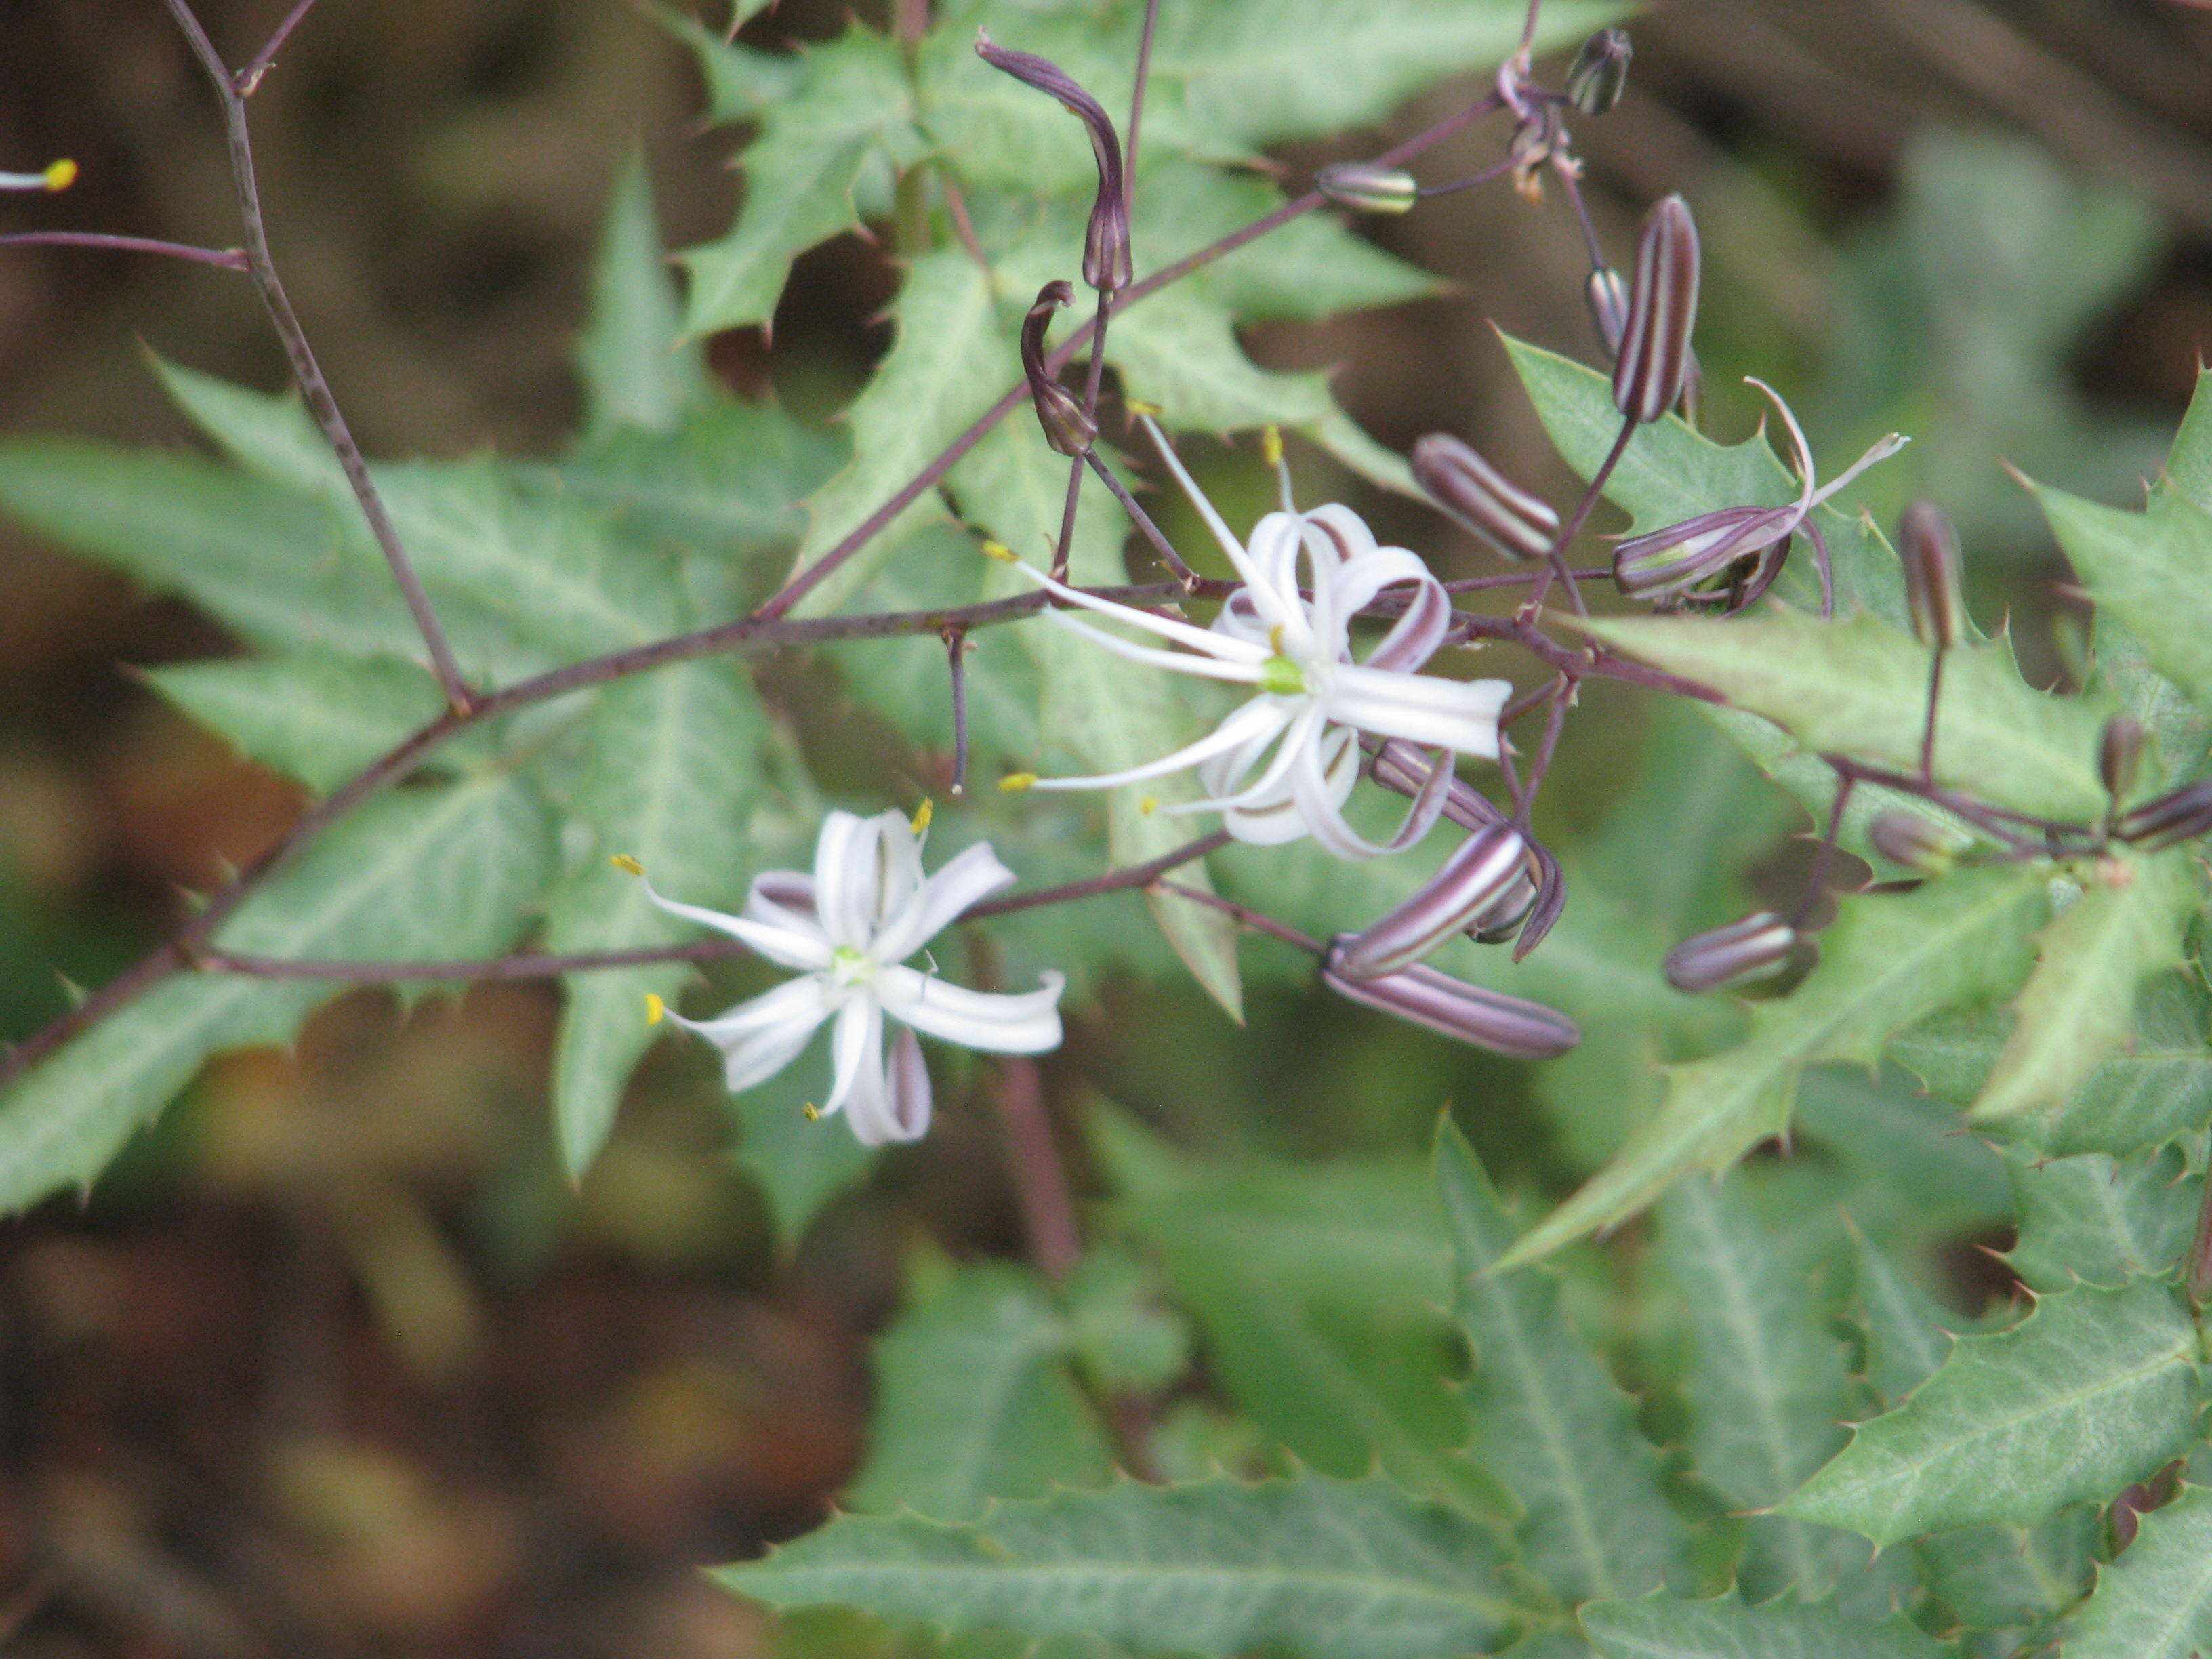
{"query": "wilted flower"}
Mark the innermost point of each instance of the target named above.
(1759, 945)
(1683, 556)
(1291, 640)
(1067, 428)
(847, 929)
(2120, 754)
(1106, 263)
(1367, 189)
(1518, 523)
(1599, 74)
(1453, 1008)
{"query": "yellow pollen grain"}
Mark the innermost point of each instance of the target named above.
(922, 814)
(655, 1009)
(61, 174)
(1014, 782)
(997, 550)
(813, 1112)
(1271, 444)
(625, 863)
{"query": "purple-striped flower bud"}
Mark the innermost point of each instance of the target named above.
(1607, 295)
(1662, 309)
(1928, 543)
(1751, 949)
(1059, 411)
(1917, 842)
(1503, 920)
(1470, 883)
(1518, 523)
(2177, 816)
(1404, 769)
(2120, 754)
(1453, 1008)
(1366, 189)
(1600, 72)
(1106, 264)
(1670, 561)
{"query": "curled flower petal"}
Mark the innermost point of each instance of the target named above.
(964, 882)
(1001, 1022)
(856, 1047)
(761, 1036)
(803, 948)
(1461, 715)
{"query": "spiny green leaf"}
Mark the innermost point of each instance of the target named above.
(849, 96)
(1659, 1628)
(1120, 1332)
(1909, 1334)
(1549, 1421)
(2155, 1601)
(636, 373)
(415, 873)
(1352, 1570)
(973, 1399)
(1769, 1383)
(2098, 1220)
(1914, 1177)
(2093, 1390)
(670, 766)
(2190, 465)
(1998, 1577)
(2079, 1004)
(310, 715)
(1888, 961)
(2152, 569)
(953, 355)
(740, 81)
(1859, 686)
(2161, 1086)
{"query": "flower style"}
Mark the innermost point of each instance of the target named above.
(1291, 642)
(1670, 562)
(847, 929)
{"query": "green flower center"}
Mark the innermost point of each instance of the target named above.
(849, 967)
(1282, 678)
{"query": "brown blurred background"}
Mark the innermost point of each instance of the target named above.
(333, 1363)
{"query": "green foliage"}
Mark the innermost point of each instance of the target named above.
(2015, 1578)
(2093, 1390)
(2098, 1220)
(2155, 1601)
(1655, 1628)
(1351, 1569)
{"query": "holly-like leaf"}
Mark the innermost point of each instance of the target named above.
(1769, 1383)
(2099, 1220)
(2079, 1004)
(635, 372)
(1659, 1628)
(2155, 1601)
(2093, 1390)
(2153, 570)
(1859, 687)
(1909, 1334)
(973, 1399)
(1889, 960)
(310, 715)
(1549, 1421)
(2015, 1576)
(849, 99)
(417, 873)
(1351, 1569)
(670, 768)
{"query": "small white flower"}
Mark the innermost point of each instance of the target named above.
(1291, 639)
(847, 929)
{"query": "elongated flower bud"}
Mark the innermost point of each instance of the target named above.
(1662, 309)
(1607, 295)
(2175, 817)
(1600, 72)
(1059, 411)
(1453, 1008)
(1365, 189)
(1106, 264)
(1751, 949)
(1681, 556)
(2120, 754)
(1518, 523)
(1928, 543)
(1403, 769)
(1915, 842)
(1471, 882)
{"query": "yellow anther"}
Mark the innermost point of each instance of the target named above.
(61, 174)
(922, 814)
(813, 1115)
(1015, 782)
(1275, 639)
(655, 1009)
(1271, 444)
(1148, 805)
(1000, 551)
(1141, 409)
(628, 865)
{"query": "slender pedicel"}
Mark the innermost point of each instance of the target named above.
(1928, 544)
(1365, 189)
(1600, 73)
(1469, 885)
(1758, 946)
(1453, 1008)
(1518, 523)
(1106, 263)
(1662, 309)
(2175, 817)
(1058, 410)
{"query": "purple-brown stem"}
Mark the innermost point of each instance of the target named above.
(1928, 732)
(1245, 916)
(247, 80)
(223, 258)
(305, 369)
(1816, 879)
(1040, 1179)
(956, 655)
(1562, 692)
(1556, 560)
(1190, 578)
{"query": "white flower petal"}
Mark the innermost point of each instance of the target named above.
(901, 1112)
(758, 1038)
(784, 899)
(1417, 635)
(1302, 731)
(1261, 713)
(898, 866)
(856, 1051)
(1181, 662)
(1027, 1022)
(1277, 819)
(1461, 715)
(1205, 508)
(848, 877)
(1169, 628)
(943, 899)
(1320, 808)
(802, 948)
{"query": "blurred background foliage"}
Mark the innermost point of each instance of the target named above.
(335, 1361)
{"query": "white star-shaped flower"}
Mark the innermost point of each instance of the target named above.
(1286, 632)
(848, 930)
